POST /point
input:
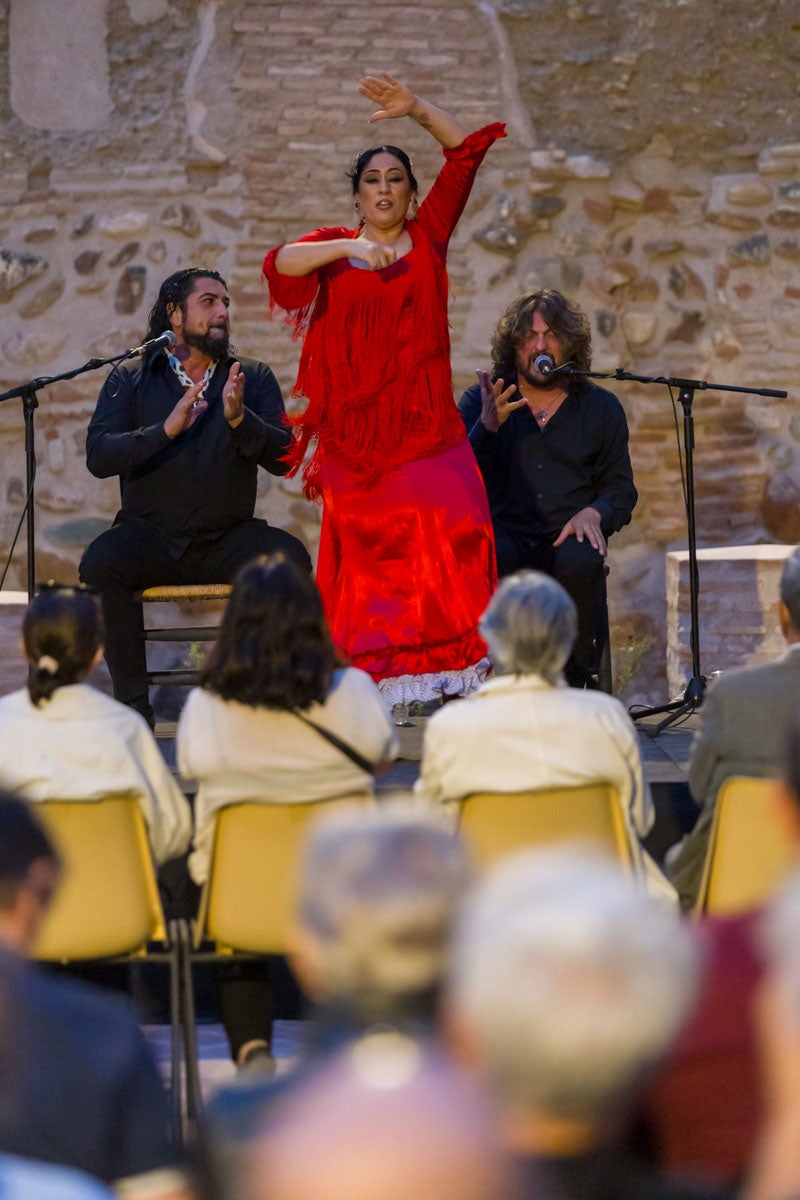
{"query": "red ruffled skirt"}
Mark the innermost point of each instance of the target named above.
(407, 565)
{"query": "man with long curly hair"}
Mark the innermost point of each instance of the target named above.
(553, 450)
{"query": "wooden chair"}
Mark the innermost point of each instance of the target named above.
(748, 852)
(495, 823)
(248, 901)
(107, 906)
(181, 594)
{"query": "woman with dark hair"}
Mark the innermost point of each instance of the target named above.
(406, 561)
(273, 690)
(61, 739)
(277, 718)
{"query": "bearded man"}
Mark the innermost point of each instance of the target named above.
(185, 428)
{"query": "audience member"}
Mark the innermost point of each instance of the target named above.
(567, 984)
(277, 719)
(776, 1170)
(21, 1179)
(62, 739)
(377, 893)
(524, 729)
(78, 1086)
(742, 730)
(385, 1120)
(705, 1105)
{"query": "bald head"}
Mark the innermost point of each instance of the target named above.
(386, 1120)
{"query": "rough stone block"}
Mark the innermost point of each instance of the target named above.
(739, 585)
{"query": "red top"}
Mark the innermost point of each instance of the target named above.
(705, 1103)
(375, 364)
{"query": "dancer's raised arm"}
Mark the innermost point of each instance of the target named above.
(374, 244)
(397, 100)
(301, 258)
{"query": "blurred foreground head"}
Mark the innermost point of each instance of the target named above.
(385, 1120)
(29, 874)
(567, 984)
(378, 892)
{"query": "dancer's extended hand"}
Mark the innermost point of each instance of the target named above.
(374, 254)
(393, 97)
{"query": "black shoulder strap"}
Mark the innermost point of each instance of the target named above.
(336, 741)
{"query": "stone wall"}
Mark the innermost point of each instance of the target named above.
(650, 171)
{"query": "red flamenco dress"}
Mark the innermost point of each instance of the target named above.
(406, 559)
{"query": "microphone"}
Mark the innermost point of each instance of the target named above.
(167, 338)
(545, 365)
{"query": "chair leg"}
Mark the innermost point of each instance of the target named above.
(194, 1094)
(175, 1020)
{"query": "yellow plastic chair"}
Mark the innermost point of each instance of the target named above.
(748, 852)
(248, 900)
(495, 823)
(107, 904)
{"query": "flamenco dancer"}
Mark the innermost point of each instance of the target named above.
(406, 559)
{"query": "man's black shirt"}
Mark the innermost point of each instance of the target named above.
(203, 482)
(538, 479)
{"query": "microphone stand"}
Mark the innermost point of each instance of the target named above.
(30, 402)
(693, 694)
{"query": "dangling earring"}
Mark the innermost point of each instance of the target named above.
(357, 208)
(414, 209)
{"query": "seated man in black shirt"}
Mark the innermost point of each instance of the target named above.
(553, 451)
(185, 429)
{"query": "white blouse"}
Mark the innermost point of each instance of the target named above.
(83, 745)
(519, 732)
(237, 753)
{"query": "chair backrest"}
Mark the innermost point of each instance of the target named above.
(107, 903)
(249, 897)
(494, 823)
(749, 850)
